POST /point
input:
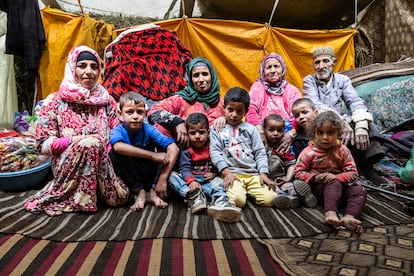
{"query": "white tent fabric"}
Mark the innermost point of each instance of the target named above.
(145, 8)
(8, 91)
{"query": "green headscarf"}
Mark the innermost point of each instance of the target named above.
(191, 95)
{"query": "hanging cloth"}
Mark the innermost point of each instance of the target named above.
(8, 90)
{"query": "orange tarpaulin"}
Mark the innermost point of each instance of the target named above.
(235, 48)
(63, 32)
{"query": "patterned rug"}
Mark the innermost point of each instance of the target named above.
(24, 256)
(384, 250)
(266, 241)
(176, 221)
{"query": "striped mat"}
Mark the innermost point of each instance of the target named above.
(23, 256)
(176, 221)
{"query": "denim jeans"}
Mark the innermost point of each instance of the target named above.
(212, 189)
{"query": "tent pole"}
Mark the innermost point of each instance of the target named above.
(274, 10)
(183, 7)
(356, 12)
(81, 8)
(388, 192)
(167, 14)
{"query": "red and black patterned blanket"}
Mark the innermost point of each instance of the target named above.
(149, 61)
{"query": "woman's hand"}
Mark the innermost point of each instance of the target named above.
(219, 123)
(287, 141)
(262, 134)
(77, 138)
(182, 136)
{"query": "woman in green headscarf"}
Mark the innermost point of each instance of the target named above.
(202, 94)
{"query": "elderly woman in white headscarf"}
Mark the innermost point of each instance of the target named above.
(272, 94)
(73, 128)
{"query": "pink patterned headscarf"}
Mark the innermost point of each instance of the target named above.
(70, 89)
(273, 88)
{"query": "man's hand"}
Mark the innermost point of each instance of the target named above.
(361, 138)
(347, 134)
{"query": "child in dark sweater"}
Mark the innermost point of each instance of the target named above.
(304, 112)
(198, 178)
(281, 164)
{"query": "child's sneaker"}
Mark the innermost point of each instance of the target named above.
(286, 201)
(224, 211)
(199, 203)
(304, 192)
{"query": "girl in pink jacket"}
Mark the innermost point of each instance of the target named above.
(329, 168)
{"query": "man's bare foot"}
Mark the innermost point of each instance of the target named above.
(140, 201)
(156, 200)
(332, 218)
(53, 213)
(352, 223)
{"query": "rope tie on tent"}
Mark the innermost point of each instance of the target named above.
(81, 8)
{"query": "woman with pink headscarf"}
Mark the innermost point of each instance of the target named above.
(73, 128)
(272, 94)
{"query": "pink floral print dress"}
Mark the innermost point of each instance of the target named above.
(83, 172)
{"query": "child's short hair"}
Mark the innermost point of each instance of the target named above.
(307, 101)
(131, 96)
(274, 117)
(325, 117)
(239, 95)
(196, 118)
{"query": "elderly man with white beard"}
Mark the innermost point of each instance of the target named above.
(334, 91)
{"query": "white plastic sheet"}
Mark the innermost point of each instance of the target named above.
(144, 8)
(8, 90)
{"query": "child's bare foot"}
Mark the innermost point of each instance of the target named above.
(156, 200)
(53, 213)
(352, 223)
(140, 201)
(332, 218)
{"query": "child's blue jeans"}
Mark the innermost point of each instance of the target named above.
(212, 189)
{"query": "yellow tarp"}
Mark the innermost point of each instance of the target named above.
(235, 48)
(63, 32)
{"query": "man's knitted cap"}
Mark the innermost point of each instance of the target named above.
(326, 50)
